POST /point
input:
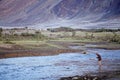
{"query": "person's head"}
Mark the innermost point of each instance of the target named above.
(96, 53)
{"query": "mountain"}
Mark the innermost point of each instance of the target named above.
(55, 13)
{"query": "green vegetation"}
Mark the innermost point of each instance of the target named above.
(12, 36)
(62, 34)
(115, 38)
(105, 30)
(66, 29)
(8, 42)
(1, 33)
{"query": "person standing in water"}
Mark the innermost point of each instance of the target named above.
(98, 57)
(99, 61)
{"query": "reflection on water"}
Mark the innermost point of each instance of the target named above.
(54, 67)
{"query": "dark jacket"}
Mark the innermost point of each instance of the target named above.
(99, 57)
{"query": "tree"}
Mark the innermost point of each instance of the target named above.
(1, 30)
(27, 30)
(86, 35)
(115, 38)
(38, 35)
(92, 36)
(73, 33)
(12, 31)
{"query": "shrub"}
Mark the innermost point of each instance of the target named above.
(115, 38)
(7, 41)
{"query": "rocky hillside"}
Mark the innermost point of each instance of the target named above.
(47, 13)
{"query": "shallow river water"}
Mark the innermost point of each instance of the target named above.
(54, 67)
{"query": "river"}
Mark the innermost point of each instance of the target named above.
(57, 66)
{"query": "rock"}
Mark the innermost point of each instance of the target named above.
(75, 78)
(86, 77)
(95, 78)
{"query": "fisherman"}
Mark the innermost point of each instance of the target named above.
(99, 59)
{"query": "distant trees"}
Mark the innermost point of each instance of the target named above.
(115, 38)
(38, 33)
(12, 31)
(27, 34)
(20, 34)
(105, 30)
(62, 32)
(92, 36)
(27, 29)
(67, 29)
(73, 33)
(86, 35)
(39, 36)
(7, 41)
(1, 30)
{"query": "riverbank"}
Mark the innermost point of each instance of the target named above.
(110, 75)
(46, 48)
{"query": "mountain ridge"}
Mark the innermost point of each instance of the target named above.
(47, 13)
